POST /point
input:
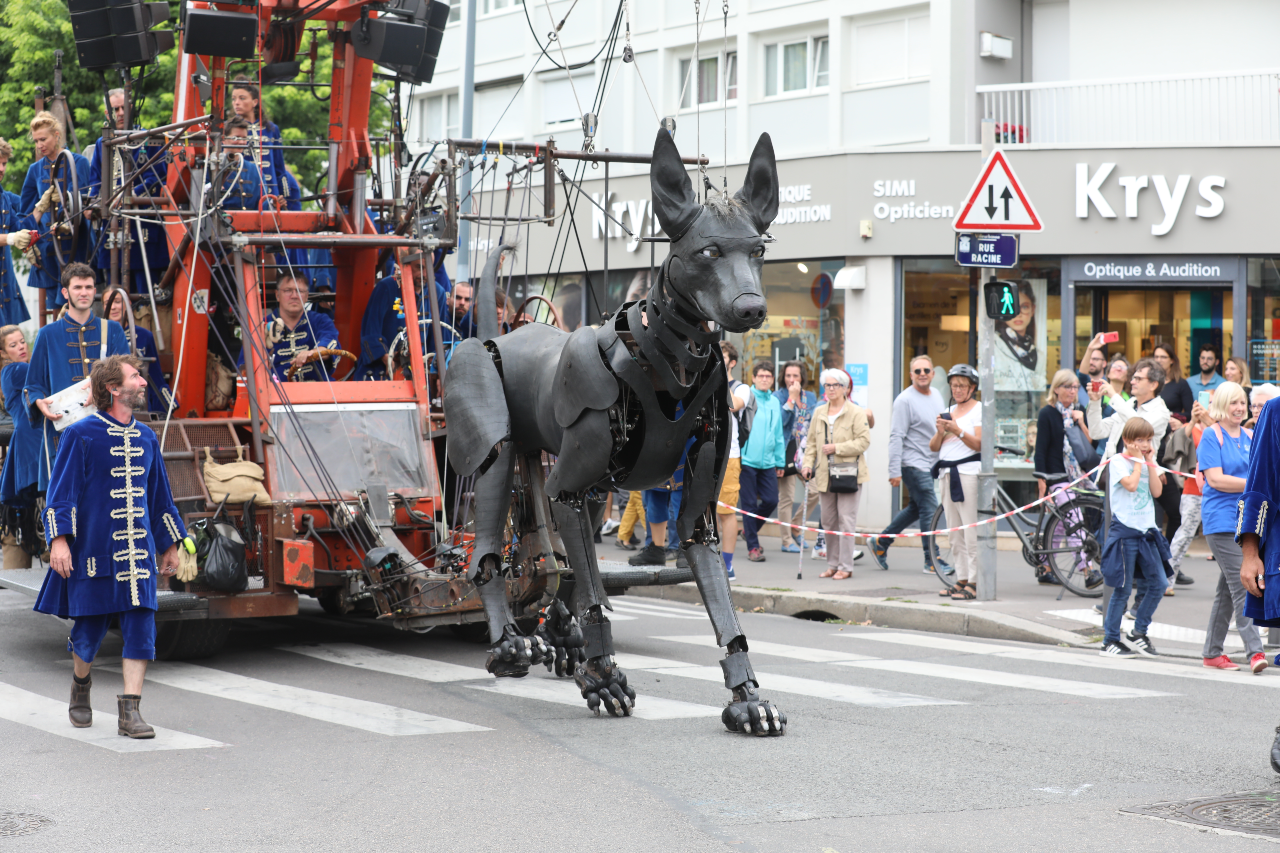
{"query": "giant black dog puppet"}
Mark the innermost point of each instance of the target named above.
(618, 404)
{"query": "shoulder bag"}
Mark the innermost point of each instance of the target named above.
(842, 477)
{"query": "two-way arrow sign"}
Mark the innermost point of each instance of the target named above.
(997, 183)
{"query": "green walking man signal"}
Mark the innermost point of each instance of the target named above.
(1001, 299)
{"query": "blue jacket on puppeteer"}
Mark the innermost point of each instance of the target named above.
(109, 495)
(1256, 513)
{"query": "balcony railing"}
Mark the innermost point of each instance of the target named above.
(1240, 106)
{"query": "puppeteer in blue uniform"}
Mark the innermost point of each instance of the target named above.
(39, 212)
(13, 310)
(146, 184)
(384, 318)
(65, 352)
(112, 529)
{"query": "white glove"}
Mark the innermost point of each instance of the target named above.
(19, 239)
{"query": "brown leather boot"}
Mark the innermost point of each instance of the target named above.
(131, 722)
(80, 712)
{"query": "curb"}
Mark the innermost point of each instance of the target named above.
(888, 614)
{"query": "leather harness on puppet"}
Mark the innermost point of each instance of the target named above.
(618, 405)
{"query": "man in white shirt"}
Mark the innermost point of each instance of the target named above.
(1148, 378)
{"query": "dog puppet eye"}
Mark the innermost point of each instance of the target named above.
(757, 252)
(710, 252)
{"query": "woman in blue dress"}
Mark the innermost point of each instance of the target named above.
(265, 140)
(159, 397)
(18, 479)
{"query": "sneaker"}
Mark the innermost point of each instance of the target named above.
(819, 552)
(858, 554)
(671, 553)
(756, 555)
(732, 576)
(1131, 615)
(880, 552)
(790, 547)
(928, 569)
(650, 555)
(1144, 646)
(627, 546)
(1184, 580)
(1097, 608)
(1220, 662)
(1115, 650)
(1258, 663)
(610, 526)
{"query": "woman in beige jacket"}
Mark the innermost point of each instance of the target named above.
(838, 433)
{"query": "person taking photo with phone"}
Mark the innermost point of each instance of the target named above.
(957, 440)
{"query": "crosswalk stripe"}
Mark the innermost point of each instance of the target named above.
(1086, 689)
(1156, 630)
(328, 707)
(410, 666)
(50, 715)
(656, 610)
(769, 683)
(1142, 665)
(627, 660)
(776, 649)
(546, 689)
(567, 693)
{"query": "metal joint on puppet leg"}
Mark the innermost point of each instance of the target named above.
(598, 637)
(737, 671)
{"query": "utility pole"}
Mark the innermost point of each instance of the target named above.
(468, 91)
(987, 374)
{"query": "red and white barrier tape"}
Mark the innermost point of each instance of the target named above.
(993, 519)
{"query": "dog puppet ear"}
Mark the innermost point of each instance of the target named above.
(760, 189)
(673, 200)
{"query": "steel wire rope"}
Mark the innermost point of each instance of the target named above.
(525, 6)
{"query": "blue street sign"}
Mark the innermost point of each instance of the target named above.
(987, 250)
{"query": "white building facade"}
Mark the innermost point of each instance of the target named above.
(1144, 131)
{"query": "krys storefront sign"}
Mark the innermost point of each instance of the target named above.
(795, 205)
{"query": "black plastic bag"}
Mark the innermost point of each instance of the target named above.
(220, 553)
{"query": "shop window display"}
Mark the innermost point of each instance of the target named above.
(1264, 319)
(939, 320)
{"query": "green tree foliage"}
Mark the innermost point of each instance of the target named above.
(31, 30)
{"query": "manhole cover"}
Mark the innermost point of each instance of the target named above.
(21, 823)
(1249, 812)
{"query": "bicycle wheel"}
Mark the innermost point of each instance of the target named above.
(1071, 549)
(940, 551)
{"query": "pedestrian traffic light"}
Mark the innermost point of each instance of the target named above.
(1001, 298)
(114, 33)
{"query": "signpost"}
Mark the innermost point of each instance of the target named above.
(995, 204)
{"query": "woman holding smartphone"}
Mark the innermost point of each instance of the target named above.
(957, 442)
(1176, 393)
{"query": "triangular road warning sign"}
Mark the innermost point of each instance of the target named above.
(997, 203)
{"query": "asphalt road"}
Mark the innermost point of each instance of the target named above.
(315, 734)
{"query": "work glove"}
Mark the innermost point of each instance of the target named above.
(48, 200)
(64, 228)
(19, 239)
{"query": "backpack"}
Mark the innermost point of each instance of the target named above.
(745, 416)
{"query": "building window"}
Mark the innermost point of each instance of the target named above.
(440, 119)
(891, 51)
(821, 62)
(455, 11)
(709, 84)
(787, 66)
(559, 104)
(491, 6)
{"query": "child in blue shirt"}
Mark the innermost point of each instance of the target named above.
(1135, 552)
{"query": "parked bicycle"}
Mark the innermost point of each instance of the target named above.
(1060, 535)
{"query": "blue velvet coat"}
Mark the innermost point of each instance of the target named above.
(1256, 513)
(12, 309)
(313, 330)
(110, 496)
(146, 183)
(20, 470)
(47, 274)
(64, 353)
(268, 156)
(242, 187)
